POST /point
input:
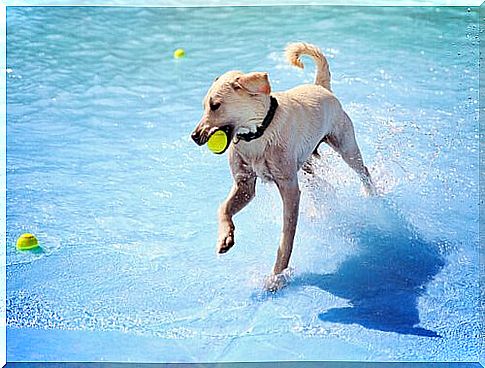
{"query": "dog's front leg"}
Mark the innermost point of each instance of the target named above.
(241, 194)
(290, 194)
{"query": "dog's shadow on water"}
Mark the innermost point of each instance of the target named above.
(384, 278)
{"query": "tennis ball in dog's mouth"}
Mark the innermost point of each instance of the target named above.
(218, 142)
(179, 53)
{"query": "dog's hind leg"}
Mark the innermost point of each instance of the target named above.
(308, 166)
(345, 144)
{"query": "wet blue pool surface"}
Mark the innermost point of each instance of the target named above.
(101, 168)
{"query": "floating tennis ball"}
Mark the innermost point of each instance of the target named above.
(179, 53)
(27, 242)
(218, 142)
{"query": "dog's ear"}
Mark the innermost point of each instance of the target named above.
(254, 83)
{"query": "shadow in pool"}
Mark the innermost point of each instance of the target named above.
(384, 279)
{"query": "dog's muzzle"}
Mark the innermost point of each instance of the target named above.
(201, 136)
(197, 137)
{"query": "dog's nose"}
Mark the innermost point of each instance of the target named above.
(196, 137)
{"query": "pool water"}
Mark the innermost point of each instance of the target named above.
(101, 168)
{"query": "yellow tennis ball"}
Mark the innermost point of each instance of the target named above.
(179, 53)
(27, 242)
(217, 143)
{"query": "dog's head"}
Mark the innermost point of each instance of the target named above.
(236, 102)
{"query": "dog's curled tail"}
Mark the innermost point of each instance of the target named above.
(295, 50)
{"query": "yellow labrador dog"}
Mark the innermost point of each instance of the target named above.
(272, 136)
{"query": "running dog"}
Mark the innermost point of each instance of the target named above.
(272, 136)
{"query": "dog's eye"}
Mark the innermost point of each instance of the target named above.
(215, 105)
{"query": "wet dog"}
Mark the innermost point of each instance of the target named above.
(273, 135)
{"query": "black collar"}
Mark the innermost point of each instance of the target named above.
(260, 129)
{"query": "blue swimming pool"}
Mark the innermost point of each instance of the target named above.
(100, 166)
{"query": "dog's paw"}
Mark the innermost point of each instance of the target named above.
(225, 242)
(273, 282)
(369, 191)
